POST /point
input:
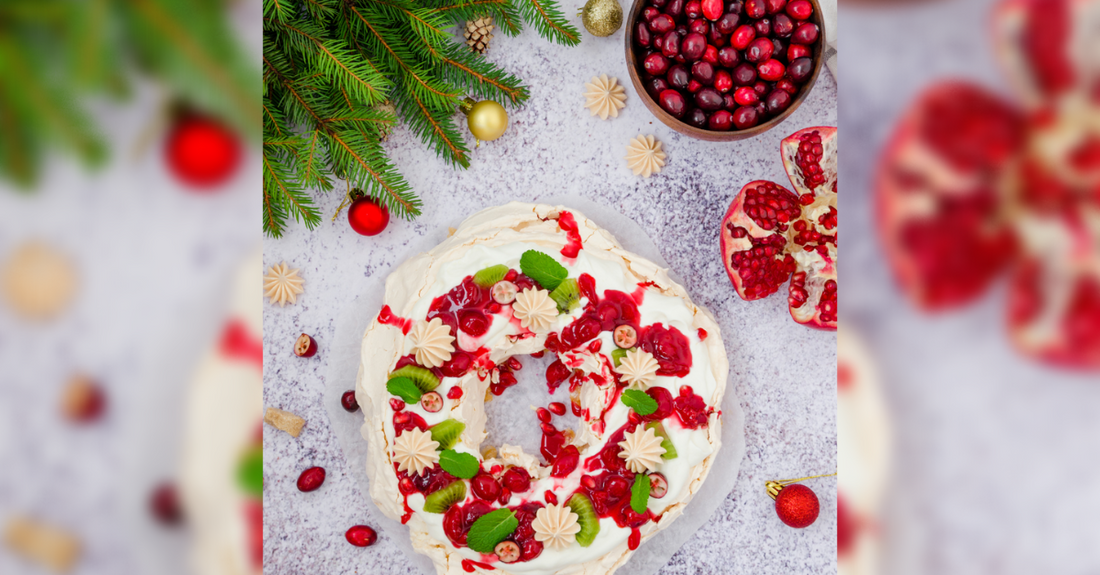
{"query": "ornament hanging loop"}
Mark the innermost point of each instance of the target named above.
(774, 487)
(466, 106)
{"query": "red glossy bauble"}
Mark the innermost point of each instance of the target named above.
(202, 152)
(368, 217)
(797, 506)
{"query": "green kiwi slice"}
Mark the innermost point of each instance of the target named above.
(423, 378)
(490, 275)
(659, 430)
(567, 295)
(587, 518)
(446, 432)
(442, 500)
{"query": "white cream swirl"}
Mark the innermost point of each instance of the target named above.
(415, 450)
(432, 342)
(642, 450)
(534, 309)
(556, 526)
(638, 368)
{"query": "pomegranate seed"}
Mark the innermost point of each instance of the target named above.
(557, 408)
(165, 505)
(396, 405)
(454, 393)
(311, 479)
(349, 403)
(361, 536)
(543, 415)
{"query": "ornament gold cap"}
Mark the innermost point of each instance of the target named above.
(774, 487)
(466, 105)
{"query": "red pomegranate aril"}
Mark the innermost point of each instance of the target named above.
(721, 121)
(543, 414)
(305, 346)
(805, 34)
(774, 6)
(796, 51)
(744, 74)
(777, 101)
(755, 9)
(566, 461)
(710, 55)
(661, 24)
(165, 504)
(693, 86)
(311, 479)
(782, 26)
(759, 50)
(763, 27)
(432, 402)
(361, 536)
(678, 77)
(742, 36)
(693, 9)
(729, 57)
(673, 103)
(703, 72)
(693, 46)
(641, 35)
(709, 99)
(712, 9)
(800, 70)
(723, 81)
(348, 401)
(670, 47)
(727, 23)
(746, 96)
(771, 70)
(697, 118)
(745, 117)
(800, 9)
(656, 64)
(396, 404)
(675, 8)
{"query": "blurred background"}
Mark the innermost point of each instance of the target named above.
(971, 168)
(129, 171)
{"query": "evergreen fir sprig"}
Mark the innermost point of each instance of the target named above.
(331, 65)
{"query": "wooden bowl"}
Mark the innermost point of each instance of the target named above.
(817, 52)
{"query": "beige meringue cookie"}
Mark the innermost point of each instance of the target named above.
(534, 309)
(556, 526)
(642, 450)
(415, 451)
(638, 367)
(432, 342)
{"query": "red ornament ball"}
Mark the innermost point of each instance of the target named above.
(797, 506)
(368, 217)
(202, 152)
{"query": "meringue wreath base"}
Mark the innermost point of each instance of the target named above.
(487, 236)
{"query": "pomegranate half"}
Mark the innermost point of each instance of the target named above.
(771, 235)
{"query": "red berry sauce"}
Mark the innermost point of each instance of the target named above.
(386, 316)
(573, 245)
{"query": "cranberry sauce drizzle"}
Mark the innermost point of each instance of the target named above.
(386, 316)
(573, 245)
(607, 483)
(669, 347)
(236, 343)
(459, 518)
(406, 420)
(691, 409)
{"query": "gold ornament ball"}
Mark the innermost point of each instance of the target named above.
(486, 119)
(602, 17)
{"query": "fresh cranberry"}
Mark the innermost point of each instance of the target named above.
(641, 35)
(361, 536)
(763, 27)
(661, 24)
(759, 50)
(697, 118)
(348, 401)
(678, 77)
(723, 81)
(566, 461)
(806, 33)
(694, 86)
(782, 26)
(711, 55)
(777, 101)
(655, 87)
(746, 96)
(693, 46)
(658, 3)
(703, 72)
(742, 36)
(796, 51)
(761, 88)
(720, 121)
(655, 64)
(771, 70)
(745, 117)
(728, 102)
(650, 13)
(729, 57)
(761, 110)
(473, 322)
(755, 9)
(716, 38)
(670, 47)
(712, 9)
(485, 487)
(517, 480)
(787, 86)
(693, 9)
(800, 70)
(165, 504)
(311, 479)
(406, 420)
(727, 23)
(458, 365)
(675, 8)
(708, 99)
(531, 549)
(774, 6)
(800, 9)
(736, 7)
(779, 48)
(673, 103)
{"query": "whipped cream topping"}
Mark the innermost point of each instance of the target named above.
(415, 451)
(556, 526)
(534, 308)
(641, 449)
(639, 368)
(432, 342)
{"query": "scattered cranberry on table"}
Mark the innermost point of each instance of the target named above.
(165, 505)
(361, 536)
(722, 65)
(305, 346)
(349, 402)
(311, 479)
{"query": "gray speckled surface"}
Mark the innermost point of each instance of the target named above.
(784, 373)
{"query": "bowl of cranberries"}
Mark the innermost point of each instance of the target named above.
(724, 70)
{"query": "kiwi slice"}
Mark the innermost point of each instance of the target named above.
(446, 432)
(567, 295)
(442, 500)
(587, 518)
(490, 275)
(423, 378)
(617, 355)
(659, 430)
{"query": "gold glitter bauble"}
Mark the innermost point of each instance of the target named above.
(486, 119)
(602, 17)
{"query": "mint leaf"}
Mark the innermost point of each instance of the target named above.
(250, 471)
(490, 529)
(543, 269)
(404, 388)
(639, 494)
(458, 464)
(639, 401)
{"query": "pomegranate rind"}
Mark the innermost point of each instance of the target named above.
(789, 147)
(781, 265)
(1054, 315)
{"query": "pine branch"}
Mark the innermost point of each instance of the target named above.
(547, 18)
(481, 78)
(365, 164)
(504, 13)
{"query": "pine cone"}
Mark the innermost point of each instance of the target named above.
(479, 33)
